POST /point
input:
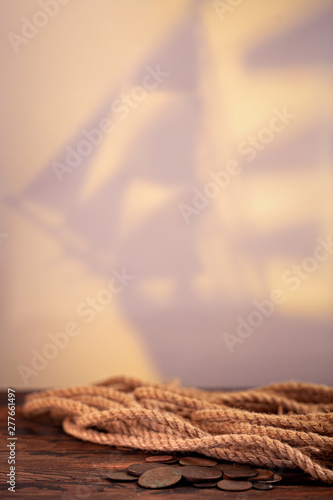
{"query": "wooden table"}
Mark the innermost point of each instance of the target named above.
(51, 464)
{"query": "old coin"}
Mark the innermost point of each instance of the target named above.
(262, 486)
(262, 475)
(201, 462)
(275, 479)
(236, 471)
(219, 467)
(205, 485)
(121, 476)
(161, 458)
(230, 485)
(138, 469)
(196, 474)
(161, 477)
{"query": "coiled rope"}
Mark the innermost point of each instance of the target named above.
(286, 425)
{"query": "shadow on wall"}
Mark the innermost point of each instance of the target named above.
(309, 43)
(184, 336)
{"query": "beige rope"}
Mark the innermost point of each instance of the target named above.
(281, 425)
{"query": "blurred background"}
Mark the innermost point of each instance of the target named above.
(166, 170)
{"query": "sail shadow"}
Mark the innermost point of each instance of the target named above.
(307, 43)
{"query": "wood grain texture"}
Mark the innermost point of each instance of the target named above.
(51, 464)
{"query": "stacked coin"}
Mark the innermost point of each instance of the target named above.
(164, 471)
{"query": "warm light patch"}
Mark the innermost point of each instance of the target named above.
(158, 289)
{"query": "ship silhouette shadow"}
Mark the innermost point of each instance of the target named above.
(183, 335)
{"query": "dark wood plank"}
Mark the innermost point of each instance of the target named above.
(51, 464)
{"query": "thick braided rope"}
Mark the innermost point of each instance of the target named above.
(281, 425)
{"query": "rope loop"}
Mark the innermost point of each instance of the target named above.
(280, 425)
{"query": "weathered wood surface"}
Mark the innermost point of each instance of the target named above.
(50, 464)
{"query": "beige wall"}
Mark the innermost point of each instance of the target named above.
(187, 92)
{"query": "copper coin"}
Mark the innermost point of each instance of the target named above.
(275, 479)
(229, 485)
(262, 486)
(195, 474)
(161, 458)
(205, 485)
(121, 476)
(200, 462)
(138, 469)
(262, 475)
(161, 477)
(219, 467)
(237, 471)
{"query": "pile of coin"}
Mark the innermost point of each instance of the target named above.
(163, 471)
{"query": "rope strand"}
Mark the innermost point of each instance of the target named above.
(280, 425)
